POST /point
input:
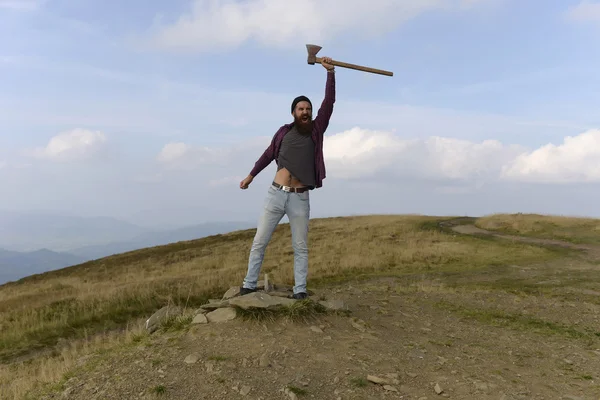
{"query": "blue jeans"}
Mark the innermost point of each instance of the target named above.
(277, 204)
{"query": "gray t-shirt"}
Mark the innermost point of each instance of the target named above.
(297, 154)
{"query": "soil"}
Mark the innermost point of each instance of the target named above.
(475, 339)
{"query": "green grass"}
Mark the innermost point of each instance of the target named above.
(298, 391)
(300, 311)
(518, 321)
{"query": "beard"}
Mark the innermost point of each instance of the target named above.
(304, 126)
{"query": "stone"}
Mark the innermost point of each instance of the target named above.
(154, 322)
(358, 324)
(267, 285)
(232, 292)
(316, 329)
(260, 300)
(376, 379)
(264, 360)
(332, 305)
(191, 359)
(221, 315)
(390, 388)
(200, 319)
(213, 305)
(245, 390)
(438, 389)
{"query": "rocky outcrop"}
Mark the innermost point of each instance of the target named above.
(269, 296)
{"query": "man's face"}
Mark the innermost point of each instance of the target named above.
(303, 114)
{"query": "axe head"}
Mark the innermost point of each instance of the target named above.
(312, 49)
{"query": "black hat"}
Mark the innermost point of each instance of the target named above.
(298, 100)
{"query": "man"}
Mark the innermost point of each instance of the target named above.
(297, 148)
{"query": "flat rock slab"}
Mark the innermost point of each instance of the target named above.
(260, 300)
(215, 304)
(221, 315)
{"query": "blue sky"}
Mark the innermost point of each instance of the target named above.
(165, 106)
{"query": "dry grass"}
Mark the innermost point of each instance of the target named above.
(102, 296)
(572, 229)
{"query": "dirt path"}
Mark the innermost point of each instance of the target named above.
(470, 229)
(516, 332)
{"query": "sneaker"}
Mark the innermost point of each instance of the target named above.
(300, 296)
(244, 291)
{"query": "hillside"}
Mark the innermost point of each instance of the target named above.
(435, 305)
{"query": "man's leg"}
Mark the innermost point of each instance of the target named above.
(272, 214)
(298, 212)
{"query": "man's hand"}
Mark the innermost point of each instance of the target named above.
(246, 182)
(325, 62)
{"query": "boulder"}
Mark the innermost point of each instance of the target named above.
(154, 322)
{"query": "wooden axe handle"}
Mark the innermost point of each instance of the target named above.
(357, 67)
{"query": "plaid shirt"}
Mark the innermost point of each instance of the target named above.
(320, 124)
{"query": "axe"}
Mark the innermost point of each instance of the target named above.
(312, 59)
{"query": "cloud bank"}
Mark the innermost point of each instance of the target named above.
(360, 153)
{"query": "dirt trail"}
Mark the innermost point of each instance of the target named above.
(470, 229)
(474, 339)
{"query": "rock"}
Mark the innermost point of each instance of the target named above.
(316, 329)
(221, 315)
(260, 300)
(264, 360)
(333, 305)
(438, 388)
(376, 379)
(245, 390)
(191, 359)
(200, 319)
(291, 394)
(358, 324)
(215, 305)
(267, 285)
(390, 388)
(411, 374)
(232, 292)
(154, 322)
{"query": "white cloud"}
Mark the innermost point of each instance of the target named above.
(77, 144)
(585, 11)
(360, 153)
(223, 24)
(576, 160)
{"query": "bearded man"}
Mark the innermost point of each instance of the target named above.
(297, 148)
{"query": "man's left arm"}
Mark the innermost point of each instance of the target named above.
(326, 109)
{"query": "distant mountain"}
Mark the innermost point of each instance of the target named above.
(31, 231)
(158, 238)
(15, 265)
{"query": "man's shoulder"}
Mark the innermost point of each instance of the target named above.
(283, 129)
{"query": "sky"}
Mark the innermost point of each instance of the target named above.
(154, 111)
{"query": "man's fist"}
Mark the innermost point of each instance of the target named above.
(326, 62)
(246, 182)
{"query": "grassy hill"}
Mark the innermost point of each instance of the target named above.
(49, 321)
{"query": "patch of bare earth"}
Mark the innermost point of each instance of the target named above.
(422, 340)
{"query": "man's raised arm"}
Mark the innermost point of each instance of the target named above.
(326, 109)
